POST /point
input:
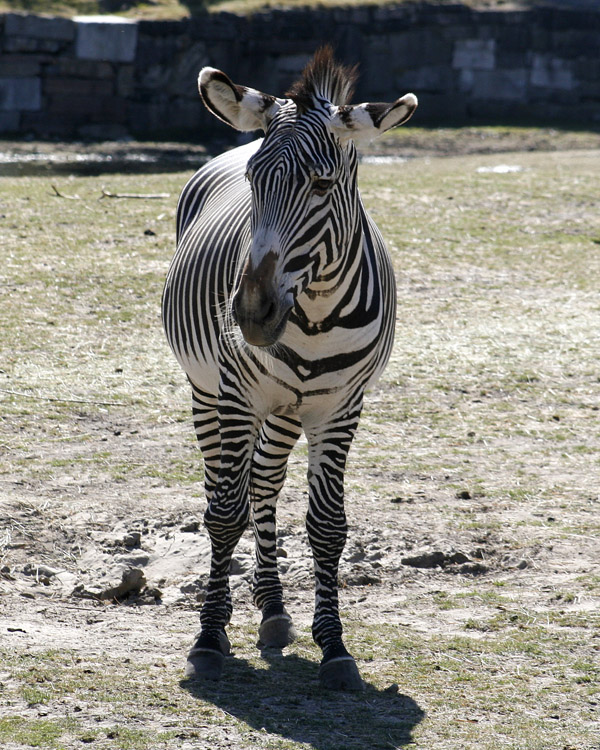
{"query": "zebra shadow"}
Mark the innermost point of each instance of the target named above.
(283, 699)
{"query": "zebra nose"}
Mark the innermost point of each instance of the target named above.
(253, 303)
(259, 314)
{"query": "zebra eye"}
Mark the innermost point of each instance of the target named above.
(321, 186)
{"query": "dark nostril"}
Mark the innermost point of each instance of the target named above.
(268, 310)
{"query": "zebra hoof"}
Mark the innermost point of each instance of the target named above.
(340, 673)
(277, 631)
(207, 663)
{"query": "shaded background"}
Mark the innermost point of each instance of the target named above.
(112, 77)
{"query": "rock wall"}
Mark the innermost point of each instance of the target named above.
(106, 77)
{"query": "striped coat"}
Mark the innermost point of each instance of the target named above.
(279, 305)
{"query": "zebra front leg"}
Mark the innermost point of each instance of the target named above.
(226, 517)
(327, 530)
(276, 439)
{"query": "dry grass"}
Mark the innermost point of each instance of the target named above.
(483, 436)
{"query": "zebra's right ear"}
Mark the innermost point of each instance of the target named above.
(241, 107)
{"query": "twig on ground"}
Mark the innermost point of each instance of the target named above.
(63, 195)
(108, 194)
(55, 398)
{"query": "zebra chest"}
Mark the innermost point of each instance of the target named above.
(301, 371)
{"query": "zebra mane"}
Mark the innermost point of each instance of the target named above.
(323, 78)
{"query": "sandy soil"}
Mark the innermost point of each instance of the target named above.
(86, 567)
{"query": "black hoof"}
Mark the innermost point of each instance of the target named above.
(277, 631)
(205, 662)
(340, 673)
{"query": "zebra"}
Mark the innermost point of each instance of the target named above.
(279, 304)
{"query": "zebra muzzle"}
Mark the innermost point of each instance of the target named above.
(260, 314)
(258, 308)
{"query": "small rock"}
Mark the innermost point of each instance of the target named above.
(133, 559)
(132, 539)
(31, 569)
(463, 495)
(362, 577)
(426, 560)
(240, 565)
(190, 526)
(132, 581)
(473, 568)
(150, 595)
(357, 556)
(193, 586)
(42, 573)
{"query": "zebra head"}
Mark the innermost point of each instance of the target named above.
(305, 217)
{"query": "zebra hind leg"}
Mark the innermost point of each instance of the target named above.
(276, 439)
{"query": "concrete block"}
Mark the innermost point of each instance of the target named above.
(39, 27)
(183, 71)
(69, 67)
(10, 122)
(90, 108)
(551, 72)
(572, 44)
(20, 66)
(106, 131)
(63, 124)
(125, 85)
(76, 87)
(109, 38)
(474, 54)
(20, 94)
(162, 29)
(436, 79)
(587, 70)
(292, 64)
(441, 108)
(147, 117)
(500, 85)
(31, 44)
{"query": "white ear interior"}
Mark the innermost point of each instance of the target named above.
(241, 107)
(364, 122)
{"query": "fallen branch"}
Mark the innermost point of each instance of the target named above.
(63, 195)
(107, 194)
(55, 398)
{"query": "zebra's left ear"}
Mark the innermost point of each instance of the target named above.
(241, 107)
(367, 121)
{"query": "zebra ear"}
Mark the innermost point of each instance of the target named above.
(238, 106)
(367, 121)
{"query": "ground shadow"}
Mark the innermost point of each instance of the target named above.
(284, 698)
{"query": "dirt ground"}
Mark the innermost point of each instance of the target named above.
(102, 558)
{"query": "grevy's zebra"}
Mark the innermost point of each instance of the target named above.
(279, 304)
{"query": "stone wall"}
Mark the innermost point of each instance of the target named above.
(105, 76)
